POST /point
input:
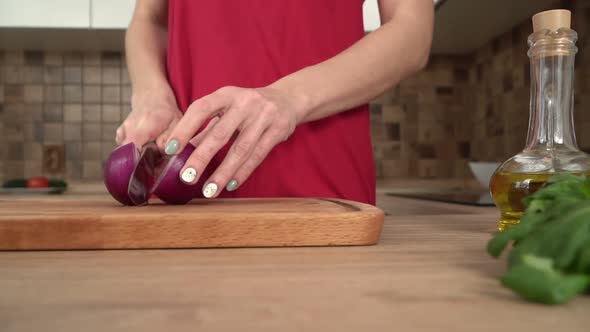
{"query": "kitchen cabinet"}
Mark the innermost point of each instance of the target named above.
(371, 18)
(100, 14)
(97, 14)
(45, 14)
(111, 14)
(116, 14)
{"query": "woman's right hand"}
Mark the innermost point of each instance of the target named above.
(153, 115)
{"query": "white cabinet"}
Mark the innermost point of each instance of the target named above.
(371, 18)
(111, 14)
(45, 13)
(97, 14)
(100, 14)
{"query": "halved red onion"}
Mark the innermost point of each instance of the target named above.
(118, 169)
(131, 178)
(168, 187)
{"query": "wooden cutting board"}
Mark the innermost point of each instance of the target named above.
(60, 223)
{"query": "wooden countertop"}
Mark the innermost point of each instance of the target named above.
(429, 273)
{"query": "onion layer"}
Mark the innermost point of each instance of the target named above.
(169, 188)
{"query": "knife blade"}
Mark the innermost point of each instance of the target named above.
(145, 173)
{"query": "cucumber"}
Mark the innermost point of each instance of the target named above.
(15, 183)
(55, 183)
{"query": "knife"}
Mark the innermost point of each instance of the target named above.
(146, 171)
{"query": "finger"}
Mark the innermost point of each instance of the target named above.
(211, 143)
(161, 140)
(239, 152)
(267, 142)
(120, 134)
(195, 141)
(124, 129)
(144, 130)
(195, 116)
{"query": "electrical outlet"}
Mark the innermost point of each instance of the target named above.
(54, 159)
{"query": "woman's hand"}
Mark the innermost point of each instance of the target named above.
(262, 117)
(153, 115)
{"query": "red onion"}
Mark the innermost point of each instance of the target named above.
(169, 188)
(117, 172)
(131, 188)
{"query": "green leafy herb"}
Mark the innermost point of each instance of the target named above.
(542, 282)
(550, 258)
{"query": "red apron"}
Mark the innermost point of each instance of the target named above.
(252, 43)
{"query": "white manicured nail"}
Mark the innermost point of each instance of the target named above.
(189, 175)
(210, 190)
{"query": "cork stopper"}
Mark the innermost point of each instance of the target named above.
(552, 20)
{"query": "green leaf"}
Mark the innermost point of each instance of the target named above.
(560, 241)
(534, 215)
(583, 264)
(562, 186)
(539, 263)
(550, 258)
(536, 280)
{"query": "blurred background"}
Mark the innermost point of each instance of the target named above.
(64, 88)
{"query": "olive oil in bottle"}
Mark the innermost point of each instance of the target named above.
(551, 146)
(509, 191)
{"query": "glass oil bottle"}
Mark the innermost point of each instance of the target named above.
(551, 142)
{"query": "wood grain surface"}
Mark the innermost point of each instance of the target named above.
(103, 224)
(428, 273)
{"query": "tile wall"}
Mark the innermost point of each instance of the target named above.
(422, 128)
(473, 107)
(503, 90)
(70, 100)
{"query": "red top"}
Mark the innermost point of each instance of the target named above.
(253, 43)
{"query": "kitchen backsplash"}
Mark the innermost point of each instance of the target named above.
(460, 108)
(503, 92)
(475, 107)
(422, 128)
(67, 101)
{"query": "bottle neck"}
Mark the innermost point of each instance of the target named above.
(551, 122)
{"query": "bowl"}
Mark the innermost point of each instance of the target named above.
(483, 171)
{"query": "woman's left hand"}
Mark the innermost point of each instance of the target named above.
(262, 118)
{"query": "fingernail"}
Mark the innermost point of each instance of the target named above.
(210, 190)
(232, 185)
(172, 147)
(189, 175)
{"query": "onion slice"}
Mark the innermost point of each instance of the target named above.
(168, 187)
